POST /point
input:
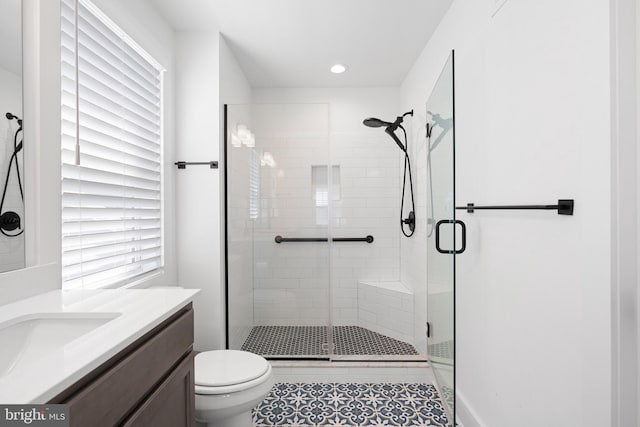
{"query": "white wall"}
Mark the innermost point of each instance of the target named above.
(197, 188)
(637, 243)
(533, 288)
(369, 203)
(635, 392)
(234, 86)
(207, 77)
(11, 248)
(624, 225)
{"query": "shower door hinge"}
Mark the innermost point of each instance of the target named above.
(428, 330)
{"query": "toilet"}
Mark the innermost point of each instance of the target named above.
(229, 383)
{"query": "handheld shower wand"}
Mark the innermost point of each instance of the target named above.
(390, 129)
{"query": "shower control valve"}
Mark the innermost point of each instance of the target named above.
(9, 221)
(410, 221)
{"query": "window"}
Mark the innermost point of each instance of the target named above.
(111, 152)
(320, 190)
(254, 185)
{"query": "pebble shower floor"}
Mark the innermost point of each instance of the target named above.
(333, 404)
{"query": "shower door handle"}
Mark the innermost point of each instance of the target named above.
(464, 236)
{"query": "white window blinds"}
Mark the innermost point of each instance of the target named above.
(111, 152)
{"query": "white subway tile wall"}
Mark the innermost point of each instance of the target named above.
(292, 279)
(240, 229)
(370, 205)
(291, 283)
(386, 308)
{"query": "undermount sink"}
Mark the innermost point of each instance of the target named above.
(27, 338)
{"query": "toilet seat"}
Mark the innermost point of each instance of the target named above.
(229, 371)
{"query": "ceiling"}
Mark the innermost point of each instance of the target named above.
(293, 43)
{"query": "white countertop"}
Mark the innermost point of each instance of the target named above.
(140, 310)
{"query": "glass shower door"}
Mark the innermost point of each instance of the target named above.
(445, 237)
(278, 183)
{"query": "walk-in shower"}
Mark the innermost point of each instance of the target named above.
(313, 243)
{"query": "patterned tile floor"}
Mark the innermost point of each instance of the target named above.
(308, 340)
(332, 404)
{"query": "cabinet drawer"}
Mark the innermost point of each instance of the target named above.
(172, 403)
(116, 393)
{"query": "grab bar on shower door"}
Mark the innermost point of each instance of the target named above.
(280, 239)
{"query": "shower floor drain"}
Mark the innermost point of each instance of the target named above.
(300, 341)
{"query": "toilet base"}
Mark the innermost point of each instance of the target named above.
(230, 405)
(241, 420)
(232, 409)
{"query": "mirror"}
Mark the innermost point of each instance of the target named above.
(12, 226)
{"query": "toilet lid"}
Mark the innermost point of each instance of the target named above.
(220, 368)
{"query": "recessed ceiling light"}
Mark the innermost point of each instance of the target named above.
(338, 69)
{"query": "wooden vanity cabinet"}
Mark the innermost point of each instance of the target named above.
(150, 383)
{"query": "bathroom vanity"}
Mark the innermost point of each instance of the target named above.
(129, 361)
(149, 383)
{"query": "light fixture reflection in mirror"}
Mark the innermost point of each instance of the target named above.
(12, 226)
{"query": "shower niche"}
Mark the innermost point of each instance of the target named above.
(313, 238)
